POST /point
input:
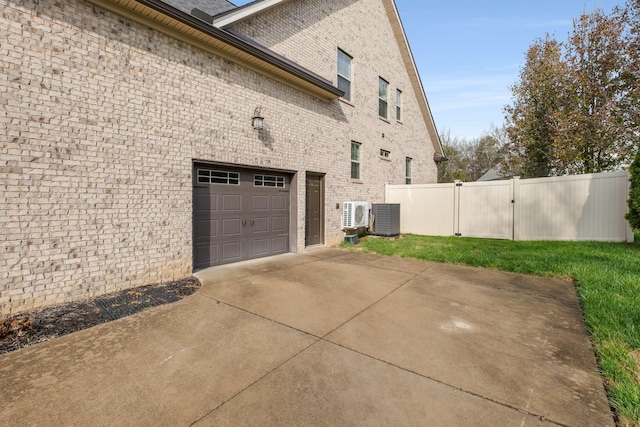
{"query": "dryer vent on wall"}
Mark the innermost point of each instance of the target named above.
(355, 215)
(386, 219)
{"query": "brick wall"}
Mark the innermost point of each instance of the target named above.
(103, 119)
(309, 32)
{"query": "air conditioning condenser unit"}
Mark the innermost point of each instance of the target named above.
(355, 215)
(386, 219)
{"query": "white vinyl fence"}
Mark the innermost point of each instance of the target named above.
(577, 207)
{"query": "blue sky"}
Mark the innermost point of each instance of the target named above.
(469, 52)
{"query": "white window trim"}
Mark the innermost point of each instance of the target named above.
(230, 176)
(261, 181)
(358, 161)
(384, 99)
(347, 78)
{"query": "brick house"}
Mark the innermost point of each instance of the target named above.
(129, 154)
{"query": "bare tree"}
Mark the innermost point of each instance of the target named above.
(469, 159)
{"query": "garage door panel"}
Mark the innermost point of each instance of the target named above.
(231, 227)
(231, 203)
(237, 216)
(279, 244)
(231, 252)
(204, 203)
(280, 202)
(260, 225)
(279, 224)
(207, 228)
(260, 247)
(260, 203)
(204, 255)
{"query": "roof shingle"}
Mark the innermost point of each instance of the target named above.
(211, 7)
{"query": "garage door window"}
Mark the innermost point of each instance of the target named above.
(206, 176)
(268, 181)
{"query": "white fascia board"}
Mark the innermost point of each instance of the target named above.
(244, 12)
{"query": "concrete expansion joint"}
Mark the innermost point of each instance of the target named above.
(317, 340)
(244, 310)
(373, 304)
(404, 271)
(255, 382)
(326, 340)
(461, 390)
(313, 254)
(369, 343)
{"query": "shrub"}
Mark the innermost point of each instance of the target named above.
(634, 195)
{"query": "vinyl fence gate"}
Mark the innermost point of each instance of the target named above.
(576, 207)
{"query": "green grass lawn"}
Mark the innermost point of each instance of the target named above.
(607, 277)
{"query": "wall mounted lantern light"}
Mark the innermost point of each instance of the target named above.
(257, 121)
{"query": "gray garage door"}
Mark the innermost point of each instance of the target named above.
(239, 214)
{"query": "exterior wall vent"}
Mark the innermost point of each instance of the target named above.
(386, 219)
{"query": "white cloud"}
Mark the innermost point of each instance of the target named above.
(473, 100)
(562, 23)
(510, 67)
(506, 22)
(464, 83)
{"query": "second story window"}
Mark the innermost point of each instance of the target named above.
(355, 160)
(398, 105)
(344, 74)
(383, 97)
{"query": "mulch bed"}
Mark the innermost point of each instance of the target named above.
(40, 325)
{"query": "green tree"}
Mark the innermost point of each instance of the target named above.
(633, 216)
(594, 120)
(631, 14)
(575, 106)
(531, 122)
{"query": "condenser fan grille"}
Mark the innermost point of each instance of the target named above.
(355, 215)
(359, 214)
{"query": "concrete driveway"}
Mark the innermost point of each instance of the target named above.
(326, 338)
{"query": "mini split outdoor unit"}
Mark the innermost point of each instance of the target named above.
(355, 215)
